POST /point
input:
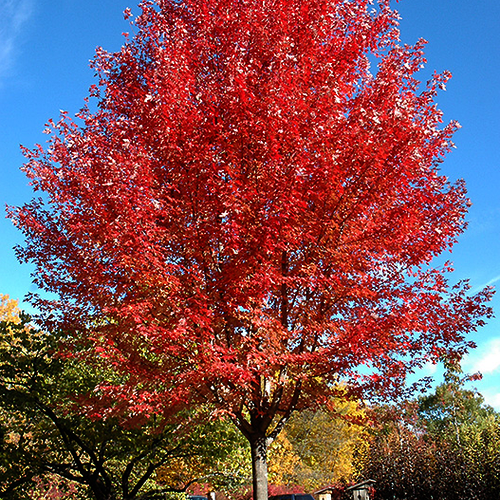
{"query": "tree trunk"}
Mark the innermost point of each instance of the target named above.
(101, 491)
(258, 446)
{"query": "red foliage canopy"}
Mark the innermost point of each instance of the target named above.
(253, 210)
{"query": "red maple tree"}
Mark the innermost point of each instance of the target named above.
(252, 211)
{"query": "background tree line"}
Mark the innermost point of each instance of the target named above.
(445, 445)
(57, 442)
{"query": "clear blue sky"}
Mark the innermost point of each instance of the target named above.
(45, 46)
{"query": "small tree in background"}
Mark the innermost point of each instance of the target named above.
(318, 448)
(251, 211)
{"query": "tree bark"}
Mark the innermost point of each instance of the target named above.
(258, 446)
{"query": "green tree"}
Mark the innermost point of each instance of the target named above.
(48, 438)
(454, 408)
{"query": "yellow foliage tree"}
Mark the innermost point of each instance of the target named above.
(9, 309)
(284, 461)
(318, 448)
(181, 472)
